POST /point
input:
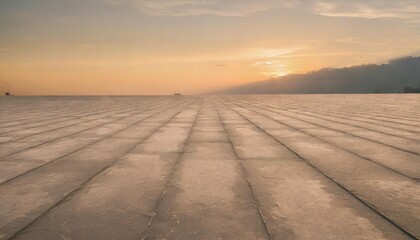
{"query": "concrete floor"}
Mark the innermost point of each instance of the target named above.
(223, 167)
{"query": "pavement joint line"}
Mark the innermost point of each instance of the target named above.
(70, 125)
(357, 114)
(324, 119)
(335, 145)
(3, 131)
(411, 125)
(364, 121)
(348, 133)
(70, 194)
(399, 114)
(384, 191)
(254, 198)
(30, 117)
(74, 133)
(405, 118)
(50, 130)
(58, 113)
(362, 116)
(169, 179)
(372, 207)
(318, 117)
(85, 146)
(349, 117)
(49, 118)
(61, 121)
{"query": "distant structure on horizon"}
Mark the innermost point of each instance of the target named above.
(177, 94)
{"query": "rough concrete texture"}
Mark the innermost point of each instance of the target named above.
(214, 167)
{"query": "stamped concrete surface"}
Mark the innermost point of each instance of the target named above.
(210, 167)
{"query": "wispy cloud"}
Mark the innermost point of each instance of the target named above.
(232, 8)
(269, 53)
(264, 63)
(407, 10)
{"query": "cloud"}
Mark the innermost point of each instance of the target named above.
(270, 53)
(407, 10)
(265, 63)
(232, 8)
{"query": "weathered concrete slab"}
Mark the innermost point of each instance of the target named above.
(190, 207)
(301, 203)
(369, 181)
(213, 167)
(129, 187)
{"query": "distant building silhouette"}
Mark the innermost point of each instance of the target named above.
(7, 94)
(177, 93)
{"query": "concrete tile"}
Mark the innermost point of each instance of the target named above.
(218, 166)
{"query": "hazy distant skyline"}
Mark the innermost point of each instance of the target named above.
(165, 46)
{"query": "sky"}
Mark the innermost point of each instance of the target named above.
(132, 47)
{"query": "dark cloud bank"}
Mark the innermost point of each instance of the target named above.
(392, 77)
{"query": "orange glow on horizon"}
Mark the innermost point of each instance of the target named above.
(112, 47)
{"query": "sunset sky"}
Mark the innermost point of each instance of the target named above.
(52, 47)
